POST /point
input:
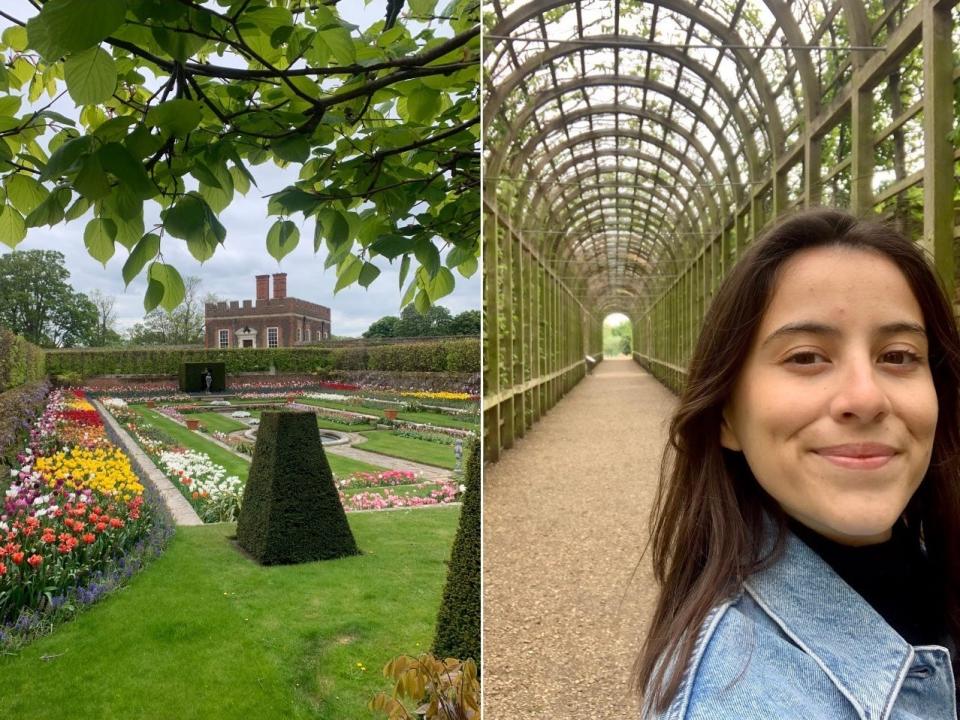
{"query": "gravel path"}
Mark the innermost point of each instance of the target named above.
(565, 516)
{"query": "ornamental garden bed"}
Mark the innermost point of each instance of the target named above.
(211, 478)
(75, 523)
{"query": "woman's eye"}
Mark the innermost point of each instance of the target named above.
(899, 357)
(805, 358)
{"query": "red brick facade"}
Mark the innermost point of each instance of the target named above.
(294, 321)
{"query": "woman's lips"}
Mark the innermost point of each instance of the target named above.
(858, 456)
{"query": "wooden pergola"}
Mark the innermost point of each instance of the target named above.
(633, 149)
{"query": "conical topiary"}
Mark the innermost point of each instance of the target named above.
(291, 510)
(458, 623)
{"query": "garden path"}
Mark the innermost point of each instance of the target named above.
(565, 520)
(429, 472)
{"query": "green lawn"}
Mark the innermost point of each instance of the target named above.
(400, 490)
(234, 464)
(423, 451)
(205, 633)
(217, 421)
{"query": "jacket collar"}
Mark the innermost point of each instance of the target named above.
(863, 656)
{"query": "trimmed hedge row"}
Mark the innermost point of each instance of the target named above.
(20, 361)
(444, 356)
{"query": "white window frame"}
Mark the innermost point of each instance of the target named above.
(273, 341)
(223, 339)
(299, 334)
(308, 334)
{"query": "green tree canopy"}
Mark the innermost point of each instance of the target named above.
(466, 323)
(178, 99)
(384, 327)
(37, 302)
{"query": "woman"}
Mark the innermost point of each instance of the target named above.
(806, 534)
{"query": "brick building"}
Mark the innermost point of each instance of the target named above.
(277, 321)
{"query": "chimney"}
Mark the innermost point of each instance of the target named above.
(263, 287)
(279, 286)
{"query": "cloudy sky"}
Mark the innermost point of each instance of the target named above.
(230, 272)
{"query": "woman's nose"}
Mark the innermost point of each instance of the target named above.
(860, 394)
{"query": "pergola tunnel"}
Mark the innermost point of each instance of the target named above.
(634, 149)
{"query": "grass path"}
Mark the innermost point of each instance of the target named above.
(205, 633)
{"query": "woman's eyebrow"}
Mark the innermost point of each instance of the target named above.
(815, 328)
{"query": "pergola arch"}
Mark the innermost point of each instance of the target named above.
(633, 150)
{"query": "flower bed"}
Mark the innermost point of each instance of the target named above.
(214, 495)
(74, 523)
(380, 479)
(444, 493)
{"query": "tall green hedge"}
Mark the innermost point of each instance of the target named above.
(442, 356)
(21, 362)
(458, 622)
(291, 510)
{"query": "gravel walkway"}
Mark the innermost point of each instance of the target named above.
(564, 520)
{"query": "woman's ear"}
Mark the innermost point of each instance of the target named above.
(728, 438)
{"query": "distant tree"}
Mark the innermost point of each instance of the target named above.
(183, 326)
(384, 327)
(466, 323)
(105, 333)
(436, 321)
(37, 302)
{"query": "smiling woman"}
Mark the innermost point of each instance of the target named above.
(805, 534)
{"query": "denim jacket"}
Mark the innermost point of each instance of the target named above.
(797, 643)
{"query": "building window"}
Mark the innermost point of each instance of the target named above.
(299, 334)
(308, 334)
(224, 338)
(272, 334)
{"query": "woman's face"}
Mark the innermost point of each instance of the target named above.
(835, 408)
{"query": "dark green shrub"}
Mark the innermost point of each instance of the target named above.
(291, 510)
(191, 376)
(458, 622)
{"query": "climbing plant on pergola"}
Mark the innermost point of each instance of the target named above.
(633, 149)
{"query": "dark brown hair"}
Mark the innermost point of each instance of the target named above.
(706, 522)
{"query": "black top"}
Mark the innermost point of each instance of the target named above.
(895, 577)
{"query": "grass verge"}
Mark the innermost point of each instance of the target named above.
(422, 451)
(206, 633)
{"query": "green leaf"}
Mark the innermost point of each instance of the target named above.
(428, 256)
(348, 273)
(186, 218)
(423, 104)
(114, 129)
(422, 8)
(16, 38)
(51, 210)
(99, 237)
(117, 160)
(92, 181)
(91, 76)
(441, 285)
(77, 210)
(340, 44)
(25, 193)
(10, 105)
(391, 246)
(180, 45)
(404, 269)
(422, 302)
(142, 253)
(173, 289)
(66, 26)
(176, 117)
(282, 238)
(468, 267)
(66, 157)
(12, 229)
(202, 247)
(368, 273)
(411, 291)
(335, 227)
(295, 148)
(153, 295)
(269, 19)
